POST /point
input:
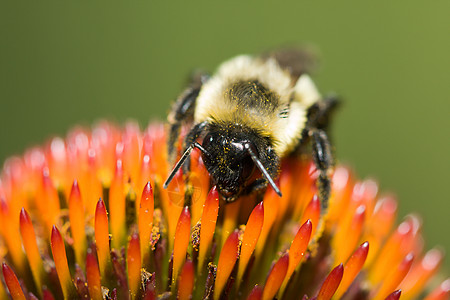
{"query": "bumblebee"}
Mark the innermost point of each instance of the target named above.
(254, 111)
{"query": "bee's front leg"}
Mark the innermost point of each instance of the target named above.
(257, 186)
(189, 140)
(182, 112)
(319, 115)
(323, 159)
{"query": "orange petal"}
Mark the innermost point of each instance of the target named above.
(298, 249)
(91, 185)
(146, 176)
(227, 259)
(104, 140)
(31, 247)
(379, 224)
(442, 292)
(9, 230)
(93, 276)
(256, 293)
(117, 208)
(285, 181)
(231, 216)
(396, 276)
(348, 234)
(250, 238)
(131, 139)
(134, 265)
(352, 268)
(395, 295)
(270, 203)
(181, 242)
(47, 295)
(331, 283)
(102, 237)
(394, 250)
(312, 212)
(276, 277)
(145, 219)
(341, 191)
(421, 273)
(208, 224)
(364, 193)
(175, 202)
(186, 283)
(12, 283)
(307, 175)
(61, 265)
(48, 204)
(57, 158)
(77, 223)
(200, 182)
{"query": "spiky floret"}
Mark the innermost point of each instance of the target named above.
(94, 221)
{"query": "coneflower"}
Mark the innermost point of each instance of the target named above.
(86, 217)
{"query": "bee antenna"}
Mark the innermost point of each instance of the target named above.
(200, 147)
(262, 169)
(182, 160)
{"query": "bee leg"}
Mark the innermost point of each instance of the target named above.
(257, 186)
(319, 114)
(190, 138)
(182, 112)
(189, 141)
(323, 159)
(272, 164)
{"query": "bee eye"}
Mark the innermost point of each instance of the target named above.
(248, 167)
(207, 140)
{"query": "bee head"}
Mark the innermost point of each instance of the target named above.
(231, 154)
(229, 162)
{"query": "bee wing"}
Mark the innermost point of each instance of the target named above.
(300, 62)
(296, 60)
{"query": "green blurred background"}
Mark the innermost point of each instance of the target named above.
(64, 63)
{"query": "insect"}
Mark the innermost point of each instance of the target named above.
(250, 114)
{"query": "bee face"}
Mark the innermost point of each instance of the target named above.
(229, 163)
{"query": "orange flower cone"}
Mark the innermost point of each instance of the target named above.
(87, 217)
